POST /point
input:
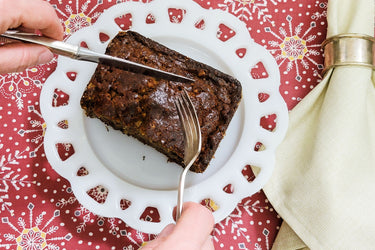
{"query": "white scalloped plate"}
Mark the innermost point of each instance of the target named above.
(130, 170)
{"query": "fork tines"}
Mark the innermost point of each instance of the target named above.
(182, 103)
(189, 122)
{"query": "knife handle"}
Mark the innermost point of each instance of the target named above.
(57, 47)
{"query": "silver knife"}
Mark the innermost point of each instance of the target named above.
(79, 53)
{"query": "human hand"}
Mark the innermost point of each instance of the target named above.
(192, 231)
(31, 16)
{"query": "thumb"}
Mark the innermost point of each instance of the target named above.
(16, 57)
(166, 231)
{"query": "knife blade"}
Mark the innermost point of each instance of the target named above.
(79, 53)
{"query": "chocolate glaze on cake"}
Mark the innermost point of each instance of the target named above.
(143, 106)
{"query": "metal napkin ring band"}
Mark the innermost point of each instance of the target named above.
(349, 49)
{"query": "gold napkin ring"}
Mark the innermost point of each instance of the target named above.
(349, 50)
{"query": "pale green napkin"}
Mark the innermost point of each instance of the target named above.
(323, 185)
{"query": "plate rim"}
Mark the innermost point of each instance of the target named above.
(259, 181)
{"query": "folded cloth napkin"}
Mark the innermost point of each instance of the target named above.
(323, 185)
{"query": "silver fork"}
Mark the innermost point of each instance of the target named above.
(192, 140)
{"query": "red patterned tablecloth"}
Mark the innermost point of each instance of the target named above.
(38, 208)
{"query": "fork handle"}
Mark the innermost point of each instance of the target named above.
(180, 195)
(181, 188)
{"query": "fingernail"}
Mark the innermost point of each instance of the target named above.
(45, 57)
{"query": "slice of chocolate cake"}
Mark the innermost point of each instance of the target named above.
(143, 106)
